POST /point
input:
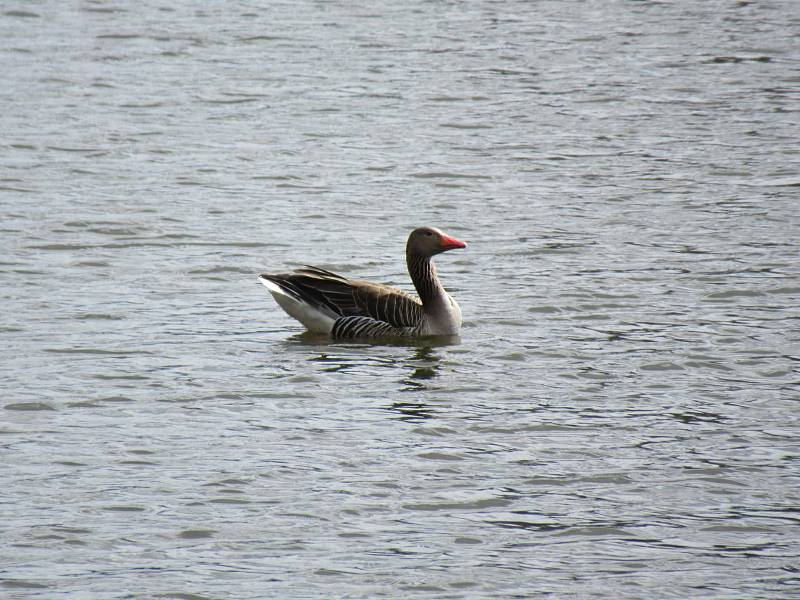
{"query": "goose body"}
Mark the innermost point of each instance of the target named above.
(328, 303)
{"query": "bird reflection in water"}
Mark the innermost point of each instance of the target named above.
(424, 365)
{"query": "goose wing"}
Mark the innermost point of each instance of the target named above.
(342, 297)
(387, 304)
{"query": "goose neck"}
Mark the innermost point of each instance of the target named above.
(426, 281)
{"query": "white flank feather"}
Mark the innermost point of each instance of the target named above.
(314, 320)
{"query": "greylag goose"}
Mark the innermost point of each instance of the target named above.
(347, 308)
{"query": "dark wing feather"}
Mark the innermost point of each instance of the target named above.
(387, 304)
(349, 298)
(364, 327)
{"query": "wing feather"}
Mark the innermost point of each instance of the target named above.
(365, 327)
(343, 297)
(384, 303)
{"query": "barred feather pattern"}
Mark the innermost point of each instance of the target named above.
(387, 304)
(366, 327)
(395, 316)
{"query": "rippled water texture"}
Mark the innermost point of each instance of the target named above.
(620, 416)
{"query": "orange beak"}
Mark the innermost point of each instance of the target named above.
(451, 243)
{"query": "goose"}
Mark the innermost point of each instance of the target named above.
(331, 304)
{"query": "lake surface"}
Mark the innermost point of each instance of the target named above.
(620, 416)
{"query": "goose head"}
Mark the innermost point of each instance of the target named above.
(429, 241)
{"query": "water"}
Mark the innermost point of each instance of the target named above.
(619, 418)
